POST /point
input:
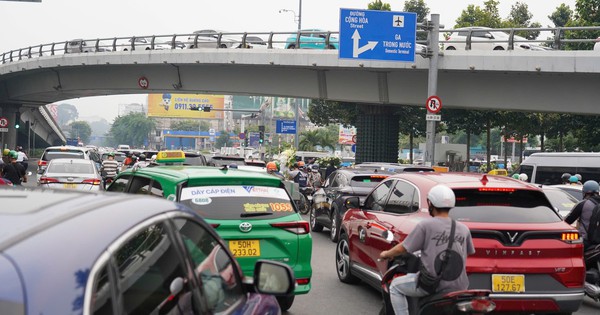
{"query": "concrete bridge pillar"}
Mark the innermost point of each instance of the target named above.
(377, 132)
(9, 138)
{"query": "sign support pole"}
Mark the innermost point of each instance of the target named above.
(434, 31)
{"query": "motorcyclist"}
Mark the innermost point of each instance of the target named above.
(565, 178)
(141, 161)
(582, 211)
(110, 167)
(272, 169)
(314, 177)
(14, 171)
(573, 180)
(22, 157)
(430, 236)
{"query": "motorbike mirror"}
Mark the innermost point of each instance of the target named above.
(387, 235)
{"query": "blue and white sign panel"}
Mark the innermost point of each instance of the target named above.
(378, 35)
(286, 126)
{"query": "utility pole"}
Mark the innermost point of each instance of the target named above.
(299, 15)
(433, 41)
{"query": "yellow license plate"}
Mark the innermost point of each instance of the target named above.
(245, 248)
(508, 283)
(69, 186)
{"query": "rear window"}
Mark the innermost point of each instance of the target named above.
(238, 202)
(508, 197)
(224, 160)
(70, 168)
(501, 214)
(194, 160)
(63, 154)
(366, 180)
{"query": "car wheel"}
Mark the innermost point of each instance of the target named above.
(225, 46)
(314, 226)
(499, 48)
(331, 47)
(285, 302)
(124, 49)
(303, 205)
(192, 47)
(342, 261)
(451, 48)
(291, 46)
(334, 231)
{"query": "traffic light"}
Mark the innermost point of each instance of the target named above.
(17, 120)
(261, 137)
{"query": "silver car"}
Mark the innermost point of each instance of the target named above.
(75, 174)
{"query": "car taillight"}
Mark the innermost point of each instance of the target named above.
(48, 180)
(215, 225)
(42, 163)
(298, 227)
(303, 281)
(93, 181)
(571, 238)
(497, 189)
(476, 305)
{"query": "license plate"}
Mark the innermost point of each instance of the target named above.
(245, 248)
(508, 283)
(72, 186)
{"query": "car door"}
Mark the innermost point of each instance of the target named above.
(363, 224)
(401, 206)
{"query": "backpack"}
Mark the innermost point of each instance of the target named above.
(593, 230)
(301, 178)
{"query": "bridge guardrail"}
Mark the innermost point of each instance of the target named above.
(279, 40)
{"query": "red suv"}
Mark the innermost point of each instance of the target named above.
(525, 254)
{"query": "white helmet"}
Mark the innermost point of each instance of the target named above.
(523, 177)
(441, 196)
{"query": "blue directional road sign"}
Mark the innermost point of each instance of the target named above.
(286, 126)
(377, 35)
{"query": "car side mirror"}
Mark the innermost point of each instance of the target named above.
(273, 278)
(176, 286)
(352, 202)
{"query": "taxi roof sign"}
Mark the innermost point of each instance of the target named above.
(170, 156)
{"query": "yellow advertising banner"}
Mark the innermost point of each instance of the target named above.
(180, 105)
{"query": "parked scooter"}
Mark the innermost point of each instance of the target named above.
(451, 303)
(592, 274)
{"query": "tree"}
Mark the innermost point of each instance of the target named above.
(412, 123)
(520, 17)
(561, 16)
(224, 140)
(419, 7)
(80, 130)
(190, 125)
(476, 16)
(378, 5)
(132, 129)
(470, 121)
(323, 113)
(66, 113)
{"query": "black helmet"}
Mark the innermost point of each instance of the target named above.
(142, 157)
(565, 177)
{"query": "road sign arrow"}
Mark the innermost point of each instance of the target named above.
(359, 50)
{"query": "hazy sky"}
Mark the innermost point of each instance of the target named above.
(24, 24)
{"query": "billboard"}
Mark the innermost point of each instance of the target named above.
(179, 105)
(347, 135)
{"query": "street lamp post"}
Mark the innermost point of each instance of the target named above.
(297, 18)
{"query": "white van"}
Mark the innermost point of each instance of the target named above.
(547, 168)
(123, 147)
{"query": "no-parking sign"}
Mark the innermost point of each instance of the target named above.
(434, 104)
(3, 122)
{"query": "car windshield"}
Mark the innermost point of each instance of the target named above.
(237, 202)
(62, 154)
(510, 197)
(502, 214)
(366, 180)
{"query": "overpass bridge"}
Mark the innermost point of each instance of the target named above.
(543, 81)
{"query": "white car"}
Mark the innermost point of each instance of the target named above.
(214, 39)
(84, 46)
(597, 44)
(484, 38)
(142, 43)
(78, 174)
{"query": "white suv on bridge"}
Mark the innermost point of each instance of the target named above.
(484, 38)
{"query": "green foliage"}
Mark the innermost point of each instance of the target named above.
(419, 7)
(476, 16)
(224, 140)
(324, 113)
(132, 129)
(324, 137)
(81, 130)
(378, 5)
(561, 16)
(190, 125)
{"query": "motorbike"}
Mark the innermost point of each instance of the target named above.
(106, 181)
(592, 274)
(473, 301)
(305, 203)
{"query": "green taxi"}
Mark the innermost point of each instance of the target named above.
(251, 211)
